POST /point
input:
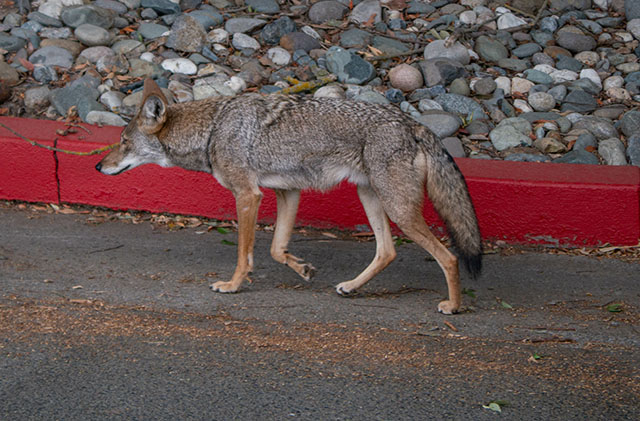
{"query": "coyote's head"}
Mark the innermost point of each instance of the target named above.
(139, 143)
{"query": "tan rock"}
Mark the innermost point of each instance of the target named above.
(73, 47)
(405, 77)
(549, 145)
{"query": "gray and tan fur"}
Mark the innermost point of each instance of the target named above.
(290, 143)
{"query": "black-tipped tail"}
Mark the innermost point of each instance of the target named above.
(448, 192)
(471, 262)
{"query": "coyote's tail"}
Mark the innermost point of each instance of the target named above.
(448, 192)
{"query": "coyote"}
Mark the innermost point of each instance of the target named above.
(290, 143)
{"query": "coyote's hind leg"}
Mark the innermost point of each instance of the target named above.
(417, 230)
(288, 201)
(385, 251)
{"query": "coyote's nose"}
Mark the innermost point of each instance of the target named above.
(99, 166)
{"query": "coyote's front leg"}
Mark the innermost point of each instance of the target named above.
(288, 201)
(247, 204)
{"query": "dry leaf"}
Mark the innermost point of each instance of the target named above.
(26, 64)
(451, 326)
(375, 51)
(370, 21)
(80, 301)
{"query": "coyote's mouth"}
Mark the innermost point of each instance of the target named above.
(121, 171)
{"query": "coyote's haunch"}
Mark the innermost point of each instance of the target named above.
(290, 143)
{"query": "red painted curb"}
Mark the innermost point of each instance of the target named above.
(560, 204)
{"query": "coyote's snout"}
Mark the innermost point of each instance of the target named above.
(290, 143)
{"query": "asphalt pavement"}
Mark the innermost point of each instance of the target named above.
(109, 316)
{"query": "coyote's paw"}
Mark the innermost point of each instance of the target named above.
(448, 307)
(308, 271)
(224, 287)
(344, 289)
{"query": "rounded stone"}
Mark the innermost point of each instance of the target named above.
(461, 105)
(242, 41)
(11, 43)
(536, 76)
(549, 145)
(460, 87)
(371, 97)
(522, 106)
(324, 11)
(505, 137)
(504, 83)
(541, 101)
(128, 47)
(52, 56)
(150, 30)
(561, 76)
(234, 25)
(349, 67)
(405, 77)
(112, 100)
(36, 97)
(633, 26)
(592, 75)
(429, 104)
(62, 33)
(366, 11)
(330, 91)
(294, 41)
(269, 7)
(457, 51)
(453, 145)
(76, 16)
(613, 82)
(186, 35)
(93, 54)
(46, 20)
(484, 86)
(279, 56)
(618, 94)
(92, 35)
(180, 65)
(272, 32)
(8, 74)
(520, 85)
(468, 17)
(105, 118)
(601, 128)
(509, 20)
(576, 42)
(542, 58)
(526, 50)
(441, 123)
(633, 150)
(45, 74)
(588, 58)
(355, 37)
(612, 151)
(490, 49)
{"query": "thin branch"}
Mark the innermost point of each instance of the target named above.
(51, 148)
(388, 56)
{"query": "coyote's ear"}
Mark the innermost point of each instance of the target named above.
(153, 112)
